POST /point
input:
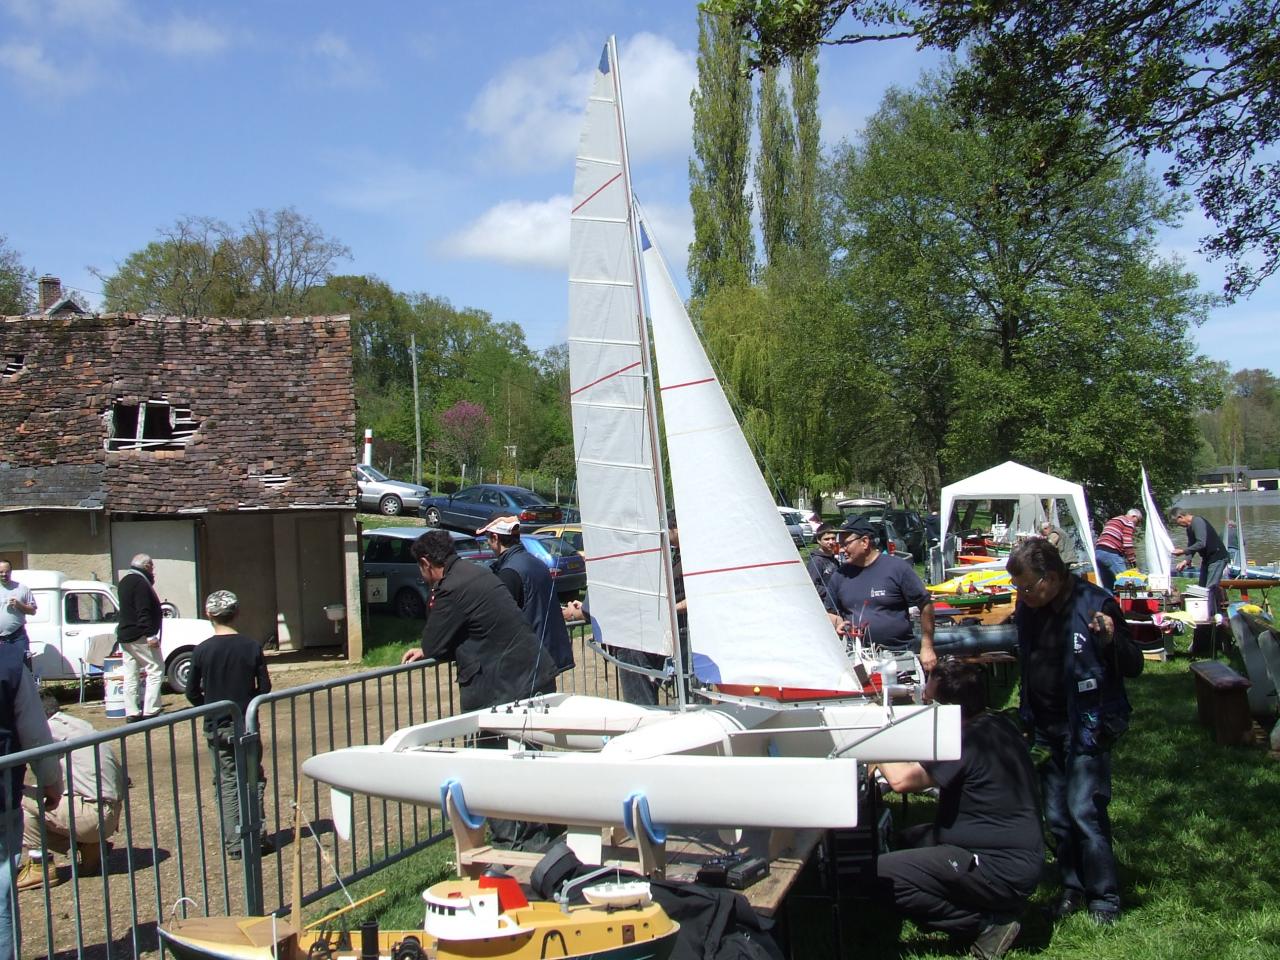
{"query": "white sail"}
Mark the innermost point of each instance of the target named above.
(1156, 542)
(619, 490)
(754, 617)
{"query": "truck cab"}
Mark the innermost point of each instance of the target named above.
(71, 614)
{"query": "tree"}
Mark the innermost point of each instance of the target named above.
(806, 203)
(1193, 80)
(464, 433)
(1012, 315)
(17, 282)
(775, 168)
(723, 249)
(200, 266)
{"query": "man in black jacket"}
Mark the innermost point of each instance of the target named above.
(139, 635)
(1203, 539)
(531, 586)
(475, 622)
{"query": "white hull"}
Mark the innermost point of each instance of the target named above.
(789, 767)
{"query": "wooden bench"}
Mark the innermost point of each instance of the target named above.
(1221, 701)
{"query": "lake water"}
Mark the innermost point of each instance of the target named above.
(1259, 515)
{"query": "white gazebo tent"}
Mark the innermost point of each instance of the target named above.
(1013, 481)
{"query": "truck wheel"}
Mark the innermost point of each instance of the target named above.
(178, 671)
(390, 505)
(409, 605)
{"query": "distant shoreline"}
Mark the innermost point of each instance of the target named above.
(1247, 498)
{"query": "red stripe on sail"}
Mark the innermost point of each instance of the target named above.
(748, 566)
(629, 553)
(691, 383)
(607, 376)
(593, 196)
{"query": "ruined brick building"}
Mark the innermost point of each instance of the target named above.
(223, 448)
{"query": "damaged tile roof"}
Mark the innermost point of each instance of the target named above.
(176, 415)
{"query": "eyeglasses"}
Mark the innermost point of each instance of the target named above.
(1030, 588)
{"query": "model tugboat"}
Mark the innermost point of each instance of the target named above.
(465, 919)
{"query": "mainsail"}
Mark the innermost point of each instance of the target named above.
(1156, 542)
(611, 395)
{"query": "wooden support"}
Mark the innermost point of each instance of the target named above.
(1222, 703)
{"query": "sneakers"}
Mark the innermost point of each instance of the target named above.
(35, 874)
(995, 940)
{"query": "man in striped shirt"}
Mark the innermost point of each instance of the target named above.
(1114, 550)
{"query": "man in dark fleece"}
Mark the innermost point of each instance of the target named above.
(229, 666)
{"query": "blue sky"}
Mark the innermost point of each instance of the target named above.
(435, 139)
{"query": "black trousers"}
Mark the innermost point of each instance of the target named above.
(952, 889)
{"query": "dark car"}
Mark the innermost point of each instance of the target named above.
(392, 576)
(472, 507)
(568, 568)
(900, 532)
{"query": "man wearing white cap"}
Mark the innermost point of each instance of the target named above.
(229, 666)
(531, 587)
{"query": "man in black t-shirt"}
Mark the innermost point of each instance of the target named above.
(970, 872)
(229, 666)
(1203, 539)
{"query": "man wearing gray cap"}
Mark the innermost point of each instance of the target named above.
(229, 666)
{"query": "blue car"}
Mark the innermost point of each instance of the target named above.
(472, 507)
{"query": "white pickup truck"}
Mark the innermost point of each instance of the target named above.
(70, 614)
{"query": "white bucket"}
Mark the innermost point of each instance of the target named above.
(113, 687)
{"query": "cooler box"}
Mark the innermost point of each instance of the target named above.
(113, 687)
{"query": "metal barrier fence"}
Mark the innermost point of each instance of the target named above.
(171, 853)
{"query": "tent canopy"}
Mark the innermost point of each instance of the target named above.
(1013, 481)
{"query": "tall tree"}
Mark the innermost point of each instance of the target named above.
(775, 168)
(1017, 315)
(17, 282)
(806, 200)
(1193, 80)
(723, 249)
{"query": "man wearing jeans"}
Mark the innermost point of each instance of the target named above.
(16, 604)
(1115, 550)
(22, 727)
(1075, 652)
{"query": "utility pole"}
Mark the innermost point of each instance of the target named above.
(417, 416)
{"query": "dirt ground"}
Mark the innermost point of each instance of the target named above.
(170, 833)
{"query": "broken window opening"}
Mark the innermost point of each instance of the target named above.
(150, 425)
(14, 363)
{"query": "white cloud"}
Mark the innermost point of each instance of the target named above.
(517, 232)
(28, 63)
(183, 36)
(533, 108)
(339, 64)
(113, 22)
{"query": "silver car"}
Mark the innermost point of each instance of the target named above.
(379, 493)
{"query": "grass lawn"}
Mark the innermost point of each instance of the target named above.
(1197, 830)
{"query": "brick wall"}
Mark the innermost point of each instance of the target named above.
(273, 398)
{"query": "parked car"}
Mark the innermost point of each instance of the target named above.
(808, 525)
(392, 577)
(801, 532)
(904, 529)
(472, 507)
(379, 492)
(71, 614)
(570, 533)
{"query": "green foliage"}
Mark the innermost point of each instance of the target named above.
(1245, 429)
(775, 167)
(723, 249)
(203, 267)
(17, 282)
(1194, 81)
(1013, 316)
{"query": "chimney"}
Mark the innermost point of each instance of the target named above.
(50, 291)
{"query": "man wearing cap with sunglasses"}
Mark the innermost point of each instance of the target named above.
(873, 594)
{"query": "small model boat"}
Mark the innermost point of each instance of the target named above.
(487, 917)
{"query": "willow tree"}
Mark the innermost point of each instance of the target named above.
(723, 248)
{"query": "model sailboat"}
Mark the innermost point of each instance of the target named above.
(756, 626)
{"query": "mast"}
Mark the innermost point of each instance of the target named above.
(651, 407)
(1235, 496)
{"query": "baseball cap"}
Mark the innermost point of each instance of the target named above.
(856, 527)
(503, 526)
(220, 602)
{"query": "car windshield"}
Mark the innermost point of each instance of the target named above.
(372, 473)
(526, 498)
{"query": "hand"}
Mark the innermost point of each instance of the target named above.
(52, 796)
(153, 641)
(1102, 625)
(928, 659)
(572, 611)
(412, 654)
